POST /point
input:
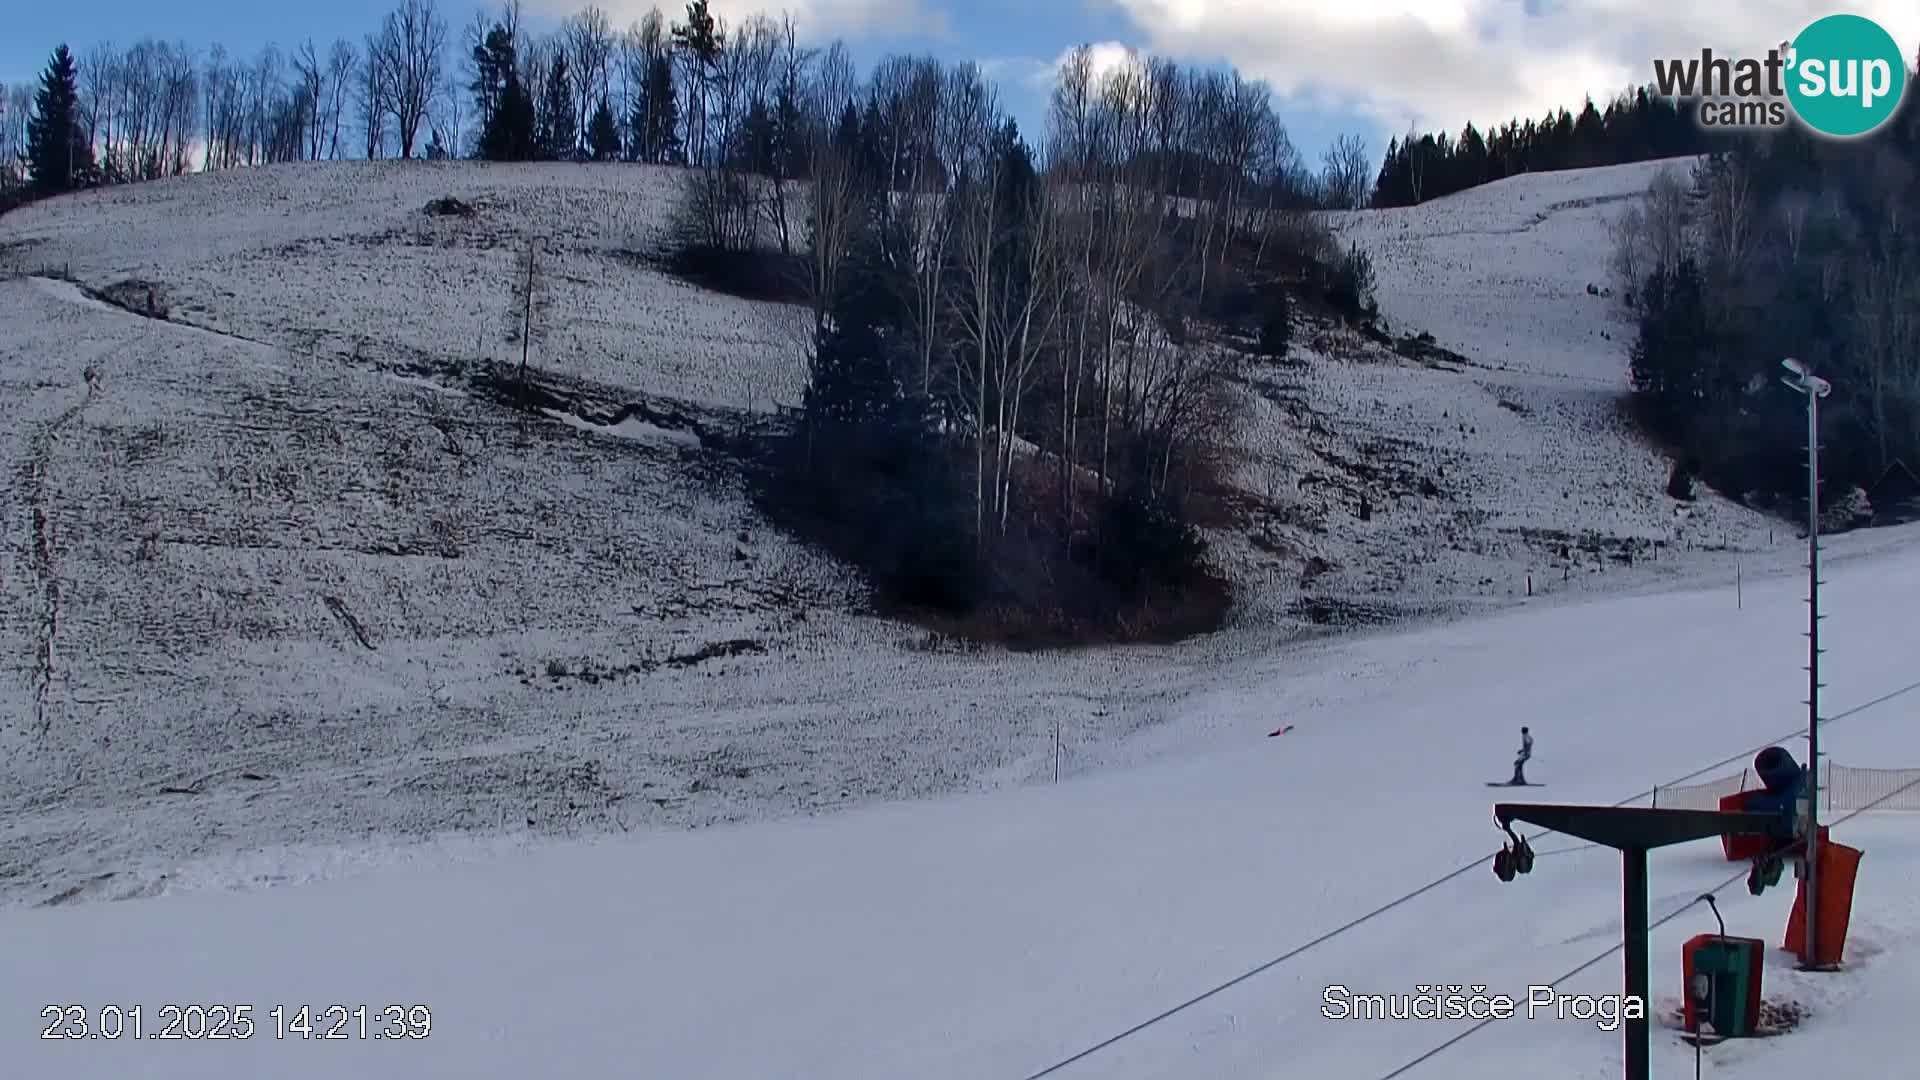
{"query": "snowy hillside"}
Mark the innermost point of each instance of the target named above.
(1500, 272)
(998, 935)
(282, 577)
(1535, 470)
(339, 261)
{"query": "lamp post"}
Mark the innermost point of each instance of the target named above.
(1815, 388)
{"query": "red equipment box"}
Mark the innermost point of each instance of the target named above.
(1734, 964)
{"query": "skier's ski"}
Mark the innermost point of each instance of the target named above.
(1280, 731)
(1509, 783)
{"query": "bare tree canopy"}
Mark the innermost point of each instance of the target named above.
(589, 42)
(409, 54)
(1347, 172)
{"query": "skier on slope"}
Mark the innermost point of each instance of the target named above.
(1520, 763)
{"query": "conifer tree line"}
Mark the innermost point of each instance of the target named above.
(1780, 245)
(1640, 125)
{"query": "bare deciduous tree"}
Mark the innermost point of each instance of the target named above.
(1008, 299)
(1345, 169)
(341, 60)
(140, 108)
(312, 73)
(99, 77)
(588, 39)
(263, 91)
(1650, 235)
(373, 98)
(410, 53)
(630, 67)
(834, 86)
(1728, 213)
(977, 202)
(942, 124)
(699, 43)
(473, 46)
(725, 198)
(790, 127)
(1416, 151)
(219, 88)
(832, 196)
(1791, 209)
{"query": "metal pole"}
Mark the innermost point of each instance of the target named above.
(1634, 900)
(1813, 676)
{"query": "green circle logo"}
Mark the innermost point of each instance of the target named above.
(1846, 76)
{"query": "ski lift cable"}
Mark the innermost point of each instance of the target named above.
(1662, 921)
(1476, 864)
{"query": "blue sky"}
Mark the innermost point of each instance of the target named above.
(1376, 67)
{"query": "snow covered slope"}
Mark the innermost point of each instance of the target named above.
(1514, 462)
(1500, 272)
(995, 935)
(339, 260)
(289, 603)
(284, 588)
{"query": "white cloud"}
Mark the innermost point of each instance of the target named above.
(1040, 75)
(1021, 70)
(1441, 63)
(814, 19)
(1103, 57)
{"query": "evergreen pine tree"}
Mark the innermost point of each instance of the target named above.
(1669, 358)
(603, 135)
(494, 67)
(509, 136)
(656, 115)
(1588, 146)
(757, 135)
(789, 157)
(559, 132)
(59, 153)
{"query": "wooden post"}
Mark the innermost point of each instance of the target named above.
(526, 325)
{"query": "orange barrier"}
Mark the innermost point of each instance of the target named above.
(1839, 866)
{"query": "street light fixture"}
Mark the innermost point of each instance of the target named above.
(1804, 378)
(1806, 382)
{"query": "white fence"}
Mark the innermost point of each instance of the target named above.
(1842, 787)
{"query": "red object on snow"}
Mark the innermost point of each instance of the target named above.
(1740, 847)
(1839, 867)
(1755, 950)
(1280, 731)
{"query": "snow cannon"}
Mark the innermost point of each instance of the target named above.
(1783, 783)
(1782, 798)
(1779, 772)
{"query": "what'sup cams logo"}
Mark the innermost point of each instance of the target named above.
(1843, 76)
